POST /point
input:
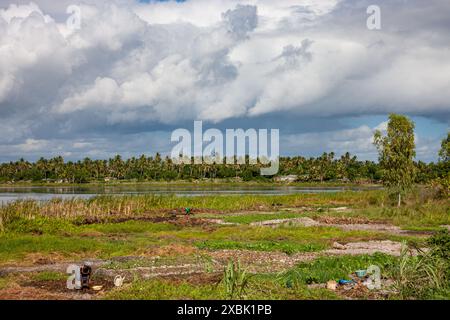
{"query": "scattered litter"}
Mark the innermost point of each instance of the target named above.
(188, 211)
(359, 280)
(85, 271)
(97, 288)
(339, 209)
(220, 222)
(344, 281)
(118, 280)
(332, 285)
(337, 245)
(303, 221)
(361, 273)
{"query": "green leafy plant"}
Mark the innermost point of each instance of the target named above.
(236, 280)
(426, 274)
(396, 154)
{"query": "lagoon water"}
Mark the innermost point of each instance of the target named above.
(44, 193)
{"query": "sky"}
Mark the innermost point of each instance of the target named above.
(135, 71)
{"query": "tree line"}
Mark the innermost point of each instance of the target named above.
(326, 167)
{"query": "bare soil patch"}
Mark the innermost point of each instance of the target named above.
(261, 261)
(347, 220)
(303, 221)
(31, 293)
(171, 250)
(344, 223)
(366, 247)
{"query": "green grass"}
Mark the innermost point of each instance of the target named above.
(282, 233)
(49, 235)
(258, 289)
(249, 218)
(45, 225)
(15, 247)
(423, 228)
(127, 238)
(4, 281)
(164, 290)
(285, 247)
(128, 227)
(40, 225)
(49, 276)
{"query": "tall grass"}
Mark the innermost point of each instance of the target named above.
(426, 275)
(110, 206)
(235, 279)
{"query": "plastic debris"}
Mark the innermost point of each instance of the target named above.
(85, 274)
(332, 285)
(361, 273)
(118, 280)
(344, 282)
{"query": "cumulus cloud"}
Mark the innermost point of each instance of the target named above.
(137, 67)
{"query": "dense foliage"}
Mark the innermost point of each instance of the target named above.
(327, 167)
(396, 154)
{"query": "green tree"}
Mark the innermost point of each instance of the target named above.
(443, 179)
(444, 153)
(396, 153)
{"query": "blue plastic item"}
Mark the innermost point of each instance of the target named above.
(343, 281)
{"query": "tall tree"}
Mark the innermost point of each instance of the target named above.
(444, 153)
(444, 166)
(396, 153)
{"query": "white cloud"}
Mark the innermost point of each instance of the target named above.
(22, 11)
(227, 63)
(166, 62)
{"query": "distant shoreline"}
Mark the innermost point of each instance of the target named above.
(186, 183)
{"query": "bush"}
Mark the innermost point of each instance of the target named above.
(426, 275)
(235, 280)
